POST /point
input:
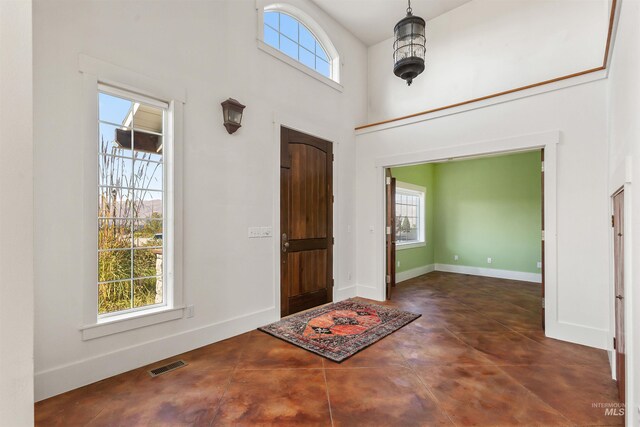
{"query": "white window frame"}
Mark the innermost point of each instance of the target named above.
(421, 192)
(98, 75)
(315, 29)
(167, 201)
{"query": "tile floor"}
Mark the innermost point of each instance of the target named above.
(477, 357)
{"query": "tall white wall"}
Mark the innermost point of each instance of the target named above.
(489, 46)
(16, 214)
(230, 182)
(579, 113)
(624, 164)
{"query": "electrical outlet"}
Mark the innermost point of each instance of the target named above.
(191, 311)
(455, 257)
(489, 260)
(539, 264)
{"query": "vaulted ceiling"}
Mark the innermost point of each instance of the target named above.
(372, 21)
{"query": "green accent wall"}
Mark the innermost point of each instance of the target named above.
(489, 207)
(479, 208)
(422, 175)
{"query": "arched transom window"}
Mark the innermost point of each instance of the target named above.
(290, 36)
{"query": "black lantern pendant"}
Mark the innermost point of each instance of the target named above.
(409, 47)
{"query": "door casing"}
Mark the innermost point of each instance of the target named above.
(548, 141)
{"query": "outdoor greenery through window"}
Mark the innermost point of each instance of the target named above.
(130, 202)
(291, 37)
(409, 215)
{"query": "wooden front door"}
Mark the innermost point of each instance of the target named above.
(618, 260)
(391, 232)
(306, 221)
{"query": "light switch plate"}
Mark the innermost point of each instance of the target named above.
(260, 232)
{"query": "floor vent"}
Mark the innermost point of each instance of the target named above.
(167, 368)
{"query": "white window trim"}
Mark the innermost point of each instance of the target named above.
(316, 30)
(422, 192)
(95, 73)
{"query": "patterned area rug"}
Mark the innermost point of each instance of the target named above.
(340, 330)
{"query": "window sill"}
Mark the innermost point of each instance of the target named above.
(137, 320)
(297, 65)
(401, 246)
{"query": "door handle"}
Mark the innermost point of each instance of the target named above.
(285, 243)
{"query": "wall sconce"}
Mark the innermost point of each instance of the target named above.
(232, 114)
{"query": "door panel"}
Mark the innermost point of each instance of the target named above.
(306, 221)
(390, 232)
(309, 177)
(618, 257)
(307, 271)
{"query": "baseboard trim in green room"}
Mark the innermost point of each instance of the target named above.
(414, 272)
(490, 272)
(474, 271)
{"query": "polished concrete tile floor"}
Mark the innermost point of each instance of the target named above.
(477, 356)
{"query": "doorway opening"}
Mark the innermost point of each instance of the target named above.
(476, 216)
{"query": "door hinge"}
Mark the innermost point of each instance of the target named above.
(542, 168)
(613, 221)
(614, 343)
(333, 157)
(542, 302)
(333, 282)
(543, 235)
(333, 240)
(388, 279)
(388, 181)
(388, 230)
(333, 199)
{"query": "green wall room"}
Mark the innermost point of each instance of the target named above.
(476, 210)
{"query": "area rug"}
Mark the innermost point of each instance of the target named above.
(338, 331)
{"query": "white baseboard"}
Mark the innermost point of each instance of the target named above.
(490, 272)
(577, 334)
(370, 292)
(414, 272)
(77, 374)
(345, 293)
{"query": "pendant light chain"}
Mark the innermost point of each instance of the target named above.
(409, 10)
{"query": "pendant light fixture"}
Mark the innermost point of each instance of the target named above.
(409, 46)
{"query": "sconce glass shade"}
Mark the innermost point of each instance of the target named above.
(232, 114)
(409, 47)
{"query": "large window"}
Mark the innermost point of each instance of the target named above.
(132, 240)
(290, 36)
(410, 215)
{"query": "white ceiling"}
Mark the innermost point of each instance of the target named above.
(372, 21)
